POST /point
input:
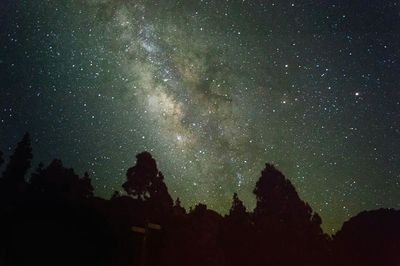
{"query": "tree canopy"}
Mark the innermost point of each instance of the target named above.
(146, 183)
(59, 181)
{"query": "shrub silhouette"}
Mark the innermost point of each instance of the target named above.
(57, 181)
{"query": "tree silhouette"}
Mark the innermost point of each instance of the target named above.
(178, 210)
(159, 196)
(12, 183)
(277, 197)
(287, 226)
(20, 161)
(145, 183)
(58, 181)
(282, 230)
(1, 158)
(238, 210)
(236, 234)
(194, 240)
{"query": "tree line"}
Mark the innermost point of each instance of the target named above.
(52, 217)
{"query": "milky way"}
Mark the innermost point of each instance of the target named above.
(214, 90)
(186, 87)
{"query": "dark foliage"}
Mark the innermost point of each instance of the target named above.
(57, 181)
(54, 219)
(12, 182)
(56, 232)
(20, 161)
(238, 210)
(1, 158)
(287, 230)
(236, 234)
(277, 199)
(192, 239)
(370, 238)
(145, 183)
(178, 210)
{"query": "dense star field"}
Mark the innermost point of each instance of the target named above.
(214, 90)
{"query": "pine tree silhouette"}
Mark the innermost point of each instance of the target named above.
(236, 234)
(286, 225)
(238, 210)
(20, 161)
(277, 198)
(12, 183)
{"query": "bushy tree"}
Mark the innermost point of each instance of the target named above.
(56, 180)
(146, 183)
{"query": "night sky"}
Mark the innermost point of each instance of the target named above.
(214, 90)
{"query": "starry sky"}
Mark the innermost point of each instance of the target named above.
(214, 90)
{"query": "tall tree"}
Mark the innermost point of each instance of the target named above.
(286, 225)
(277, 197)
(20, 161)
(146, 183)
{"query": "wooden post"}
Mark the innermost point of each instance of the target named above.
(145, 231)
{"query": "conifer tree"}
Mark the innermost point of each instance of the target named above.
(285, 225)
(237, 209)
(277, 198)
(20, 161)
